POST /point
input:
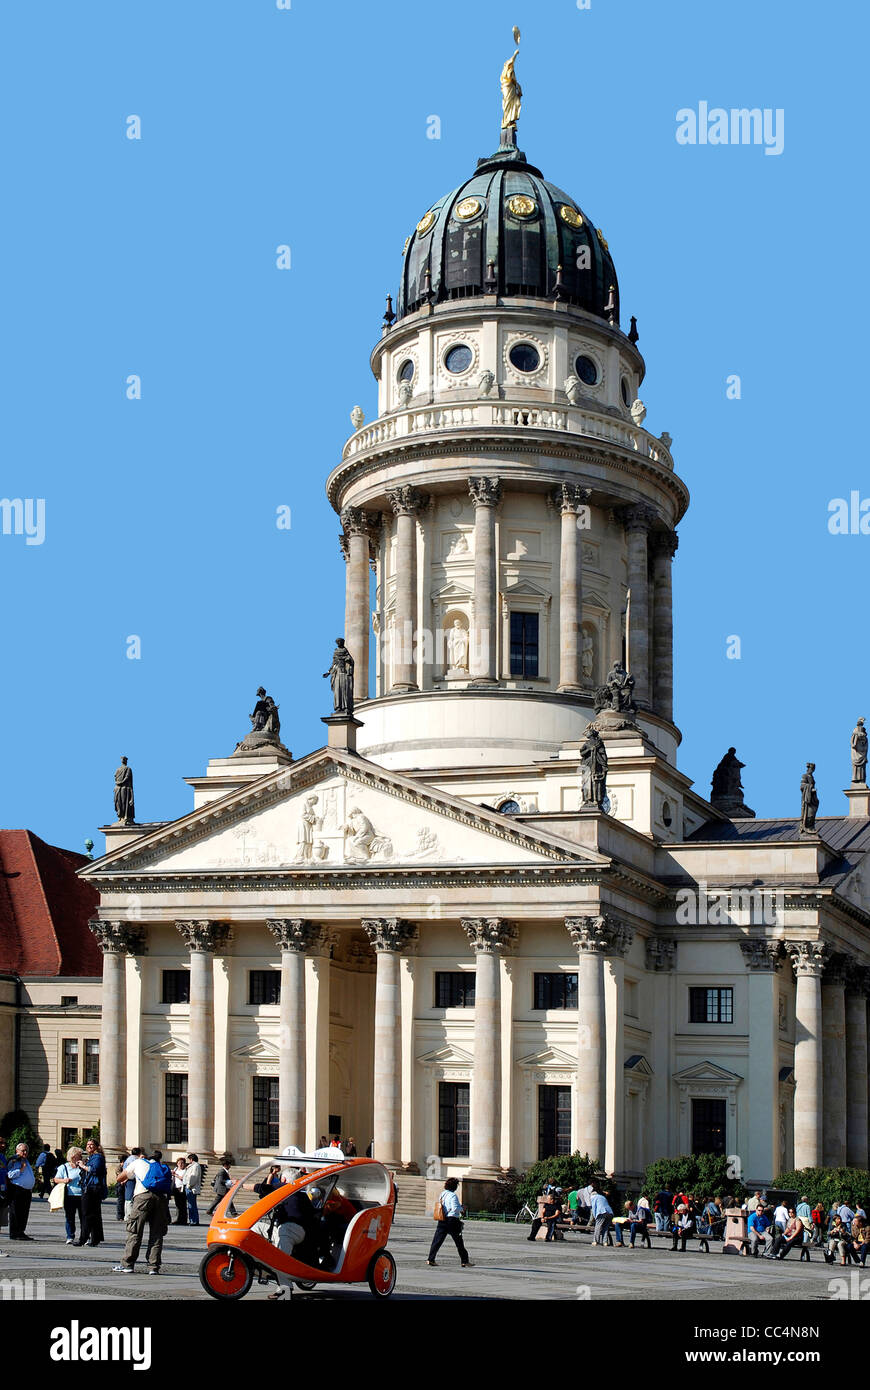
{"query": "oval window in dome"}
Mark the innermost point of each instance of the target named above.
(586, 370)
(626, 394)
(521, 205)
(406, 371)
(459, 358)
(467, 208)
(570, 215)
(510, 807)
(426, 223)
(524, 357)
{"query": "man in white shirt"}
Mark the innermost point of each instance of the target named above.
(192, 1182)
(780, 1216)
(148, 1206)
(20, 1182)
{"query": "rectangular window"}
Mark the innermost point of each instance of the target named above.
(68, 1001)
(556, 991)
(454, 989)
(176, 1107)
(524, 644)
(70, 1061)
(265, 1112)
(453, 1119)
(708, 1126)
(92, 1061)
(264, 987)
(554, 1121)
(176, 987)
(711, 1005)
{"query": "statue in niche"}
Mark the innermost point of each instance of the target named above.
(309, 821)
(457, 647)
(593, 769)
(125, 810)
(859, 753)
(340, 676)
(362, 841)
(458, 546)
(809, 800)
(587, 656)
(406, 391)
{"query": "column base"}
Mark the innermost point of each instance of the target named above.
(570, 688)
(478, 681)
(402, 686)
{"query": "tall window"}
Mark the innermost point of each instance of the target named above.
(92, 1061)
(554, 1121)
(524, 644)
(453, 1117)
(70, 1061)
(265, 1112)
(454, 989)
(556, 991)
(711, 1005)
(176, 987)
(708, 1126)
(264, 987)
(176, 1107)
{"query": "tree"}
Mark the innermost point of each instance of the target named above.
(565, 1171)
(704, 1175)
(827, 1185)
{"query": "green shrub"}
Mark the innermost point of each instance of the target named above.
(24, 1133)
(568, 1170)
(704, 1175)
(825, 1185)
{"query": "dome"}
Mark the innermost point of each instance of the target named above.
(506, 231)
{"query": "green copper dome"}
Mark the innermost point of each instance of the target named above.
(507, 231)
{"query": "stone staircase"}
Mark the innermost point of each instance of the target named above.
(412, 1195)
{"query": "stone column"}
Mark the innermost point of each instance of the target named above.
(294, 937)
(357, 525)
(593, 937)
(834, 1062)
(489, 938)
(808, 960)
(486, 495)
(204, 940)
(637, 521)
(570, 500)
(664, 546)
(857, 986)
(621, 937)
(406, 503)
(388, 935)
(760, 1151)
(116, 940)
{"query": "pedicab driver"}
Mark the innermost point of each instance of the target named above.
(289, 1224)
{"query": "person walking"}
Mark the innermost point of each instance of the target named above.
(448, 1214)
(662, 1207)
(20, 1182)
(222, 1182)
(153, 1184)
(602, 1215)
(45, 1168)
(69, 1176)
(192, 1188)
(94, 1189)
(178, 1194)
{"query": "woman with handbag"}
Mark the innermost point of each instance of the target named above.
(94, 1189)
(68, 1179)
(448, 1211)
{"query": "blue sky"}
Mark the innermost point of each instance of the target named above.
(307, 127)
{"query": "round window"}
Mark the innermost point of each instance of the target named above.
(525, 357)
(406, 371)
(459, 358)
(626, 394)
(586, 370)
(510, 808)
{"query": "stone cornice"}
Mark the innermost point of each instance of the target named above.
(349, 878)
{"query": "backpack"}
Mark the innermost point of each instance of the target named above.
(157, 1179)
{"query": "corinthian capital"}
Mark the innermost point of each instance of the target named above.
(356, 521)
(570, 497)
(204, 936)
(665, 541)
(761, 954)
(118, 938)
(389, 933)
(406, 500)
(294, 934)
(484, 492)
(661, 953)
(603, 933)
(639, 517)
(807, 957)
(489, 935)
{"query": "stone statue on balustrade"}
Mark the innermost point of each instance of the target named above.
(265, 736)
(859, 753)
(593, 769)
(125, 810)
(809, 801)
(340, 676)
(617, 692)
(727, 793)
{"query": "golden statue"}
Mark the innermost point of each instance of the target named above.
(511, 91)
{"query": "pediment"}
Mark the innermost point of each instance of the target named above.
(638, 1066)
(334, 810)
(168, 1049)
(447, 1056)
(548, 1057)
(259, 1051)
(707, 1071)
(526, 588)
(452, 590)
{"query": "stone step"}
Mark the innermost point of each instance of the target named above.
(412, 1195)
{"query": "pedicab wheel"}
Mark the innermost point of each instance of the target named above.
(226, 1273)
(382, 1274)
(305, 1284)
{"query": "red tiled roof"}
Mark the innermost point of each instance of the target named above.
(44, 909)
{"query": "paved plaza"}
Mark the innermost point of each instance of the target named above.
(507, 1266)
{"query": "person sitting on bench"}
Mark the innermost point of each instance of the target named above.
(685, 1226)
(757, 1228)
(792, 1235)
